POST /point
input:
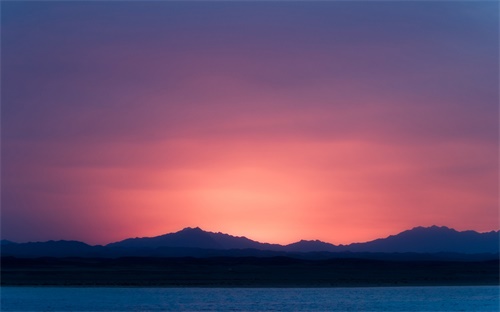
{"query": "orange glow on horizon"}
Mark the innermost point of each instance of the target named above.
(333, 120)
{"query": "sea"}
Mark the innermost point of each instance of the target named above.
(456, 298)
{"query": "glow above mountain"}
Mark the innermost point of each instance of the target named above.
(342, 121)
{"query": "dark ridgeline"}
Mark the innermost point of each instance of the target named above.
(193, 257)
(433, 239)
(194, 238)
(420, 239)
(442, 242)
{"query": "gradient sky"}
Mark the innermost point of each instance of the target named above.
(339, 121)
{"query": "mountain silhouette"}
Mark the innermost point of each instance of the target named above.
(431, 240)
(194, 242)
(51, 248)
(194, 238)
(419, 240)
(6, 242)
(197, 238)
(311, 246)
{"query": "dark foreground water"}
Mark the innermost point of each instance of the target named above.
(459, 298)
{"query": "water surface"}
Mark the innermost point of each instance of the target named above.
(457, 298)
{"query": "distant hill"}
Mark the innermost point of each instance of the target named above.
(194, 238)
(420, 240)
(50, 249)
(310, 246)
(6, 242)
(431, 240)
(418, 243)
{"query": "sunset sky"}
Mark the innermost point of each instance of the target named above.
(280, 121)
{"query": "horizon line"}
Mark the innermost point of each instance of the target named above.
(237, 236)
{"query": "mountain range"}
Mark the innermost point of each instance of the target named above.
(420, 242)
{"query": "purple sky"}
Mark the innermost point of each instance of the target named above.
(340, 121)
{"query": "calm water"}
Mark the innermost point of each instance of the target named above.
(478, 298)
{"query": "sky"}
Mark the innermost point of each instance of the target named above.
(279, 121)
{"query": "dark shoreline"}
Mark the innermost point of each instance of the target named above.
(251, 272)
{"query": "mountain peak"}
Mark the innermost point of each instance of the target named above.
(437, 227)
(433, 228)
(191, 229)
